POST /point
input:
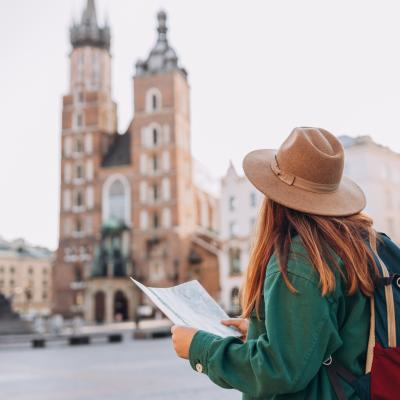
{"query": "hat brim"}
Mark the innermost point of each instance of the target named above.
(347, 199)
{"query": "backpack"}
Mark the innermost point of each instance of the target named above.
(382, 371)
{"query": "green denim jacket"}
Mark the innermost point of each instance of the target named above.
(282, 357)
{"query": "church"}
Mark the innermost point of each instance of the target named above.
(130, 204)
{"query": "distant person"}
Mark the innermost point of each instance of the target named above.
(311, 273)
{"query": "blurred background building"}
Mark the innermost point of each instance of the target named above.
(129, 203)
(239, 204)
(376, 169)
(25, 277)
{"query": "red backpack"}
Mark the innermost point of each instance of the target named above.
(382, 371)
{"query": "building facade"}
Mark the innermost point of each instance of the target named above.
(239, 206)
(377, 170)
(25, 277)
(129, 202)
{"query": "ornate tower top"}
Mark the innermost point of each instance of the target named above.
(162, 57)
(87, 32)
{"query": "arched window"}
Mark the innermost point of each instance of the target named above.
(153, 100)
(117, 200)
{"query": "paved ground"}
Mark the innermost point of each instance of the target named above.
(147, 370)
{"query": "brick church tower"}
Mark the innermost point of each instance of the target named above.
(88, 126)
(131, 205)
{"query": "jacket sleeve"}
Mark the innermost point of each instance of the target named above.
(300, 331)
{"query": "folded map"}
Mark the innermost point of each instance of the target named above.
(189, 304)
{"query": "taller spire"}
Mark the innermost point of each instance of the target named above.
(87, 32)
(162, 57)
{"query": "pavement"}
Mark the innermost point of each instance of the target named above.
(133, 369)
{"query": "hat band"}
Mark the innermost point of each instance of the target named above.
(293, 180)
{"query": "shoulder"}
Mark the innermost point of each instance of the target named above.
(299, 267)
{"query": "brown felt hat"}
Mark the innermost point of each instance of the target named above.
(306, 174)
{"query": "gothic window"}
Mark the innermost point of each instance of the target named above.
(78, 146)
(78, 198)
(79, 120)
(78, 225)
(155, 163)
(153, 100)
(156, 220)
(155, 192)
(154, 136)
(117, 200)
(78, 171)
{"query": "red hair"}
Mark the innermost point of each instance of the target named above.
(346, 236)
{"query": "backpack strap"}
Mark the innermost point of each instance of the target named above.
(371, 339)
(390, 308)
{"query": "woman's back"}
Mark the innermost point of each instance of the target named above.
(343, 319)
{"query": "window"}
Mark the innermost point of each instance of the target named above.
(78, 198)
(143, 192)
(153, 100)
(155, 136)
(12, 270)
(78, 225)
(232, 203)
(89, 197)
(235, 300)
(80, 97)
(30, 271)
(253, 199)
(44, 295)
(78, 146)
(67, 173)
(79, 120)
(89, 170)
(117, 200)
(155, 163)
(78, 171)
(234, 261)
(166, 191)
(233, 228)
(166, 218)
(156, 221)
(155, 192)
(143, 220)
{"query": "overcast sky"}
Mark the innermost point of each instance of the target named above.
(256, 69)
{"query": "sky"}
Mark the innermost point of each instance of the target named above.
(257, 68)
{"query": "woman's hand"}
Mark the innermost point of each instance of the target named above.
(242, 325)
(181, 339)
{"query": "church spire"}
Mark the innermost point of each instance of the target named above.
(162, 57)
(89, 14)
(87, 32)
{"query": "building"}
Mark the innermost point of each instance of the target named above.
(239, 205)
(376, 169)
(130, 204)
(25, 277)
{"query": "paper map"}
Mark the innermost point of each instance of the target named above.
(189, 304)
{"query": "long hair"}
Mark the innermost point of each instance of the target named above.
(345, 236)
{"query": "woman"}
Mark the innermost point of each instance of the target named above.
(308, 281)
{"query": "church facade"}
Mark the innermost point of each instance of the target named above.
(129, 204)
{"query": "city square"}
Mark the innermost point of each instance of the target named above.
(181, 163)
(133, 369)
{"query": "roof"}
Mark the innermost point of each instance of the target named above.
(19, 248)
(119, 152)
(87, 32)
(162, 57)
